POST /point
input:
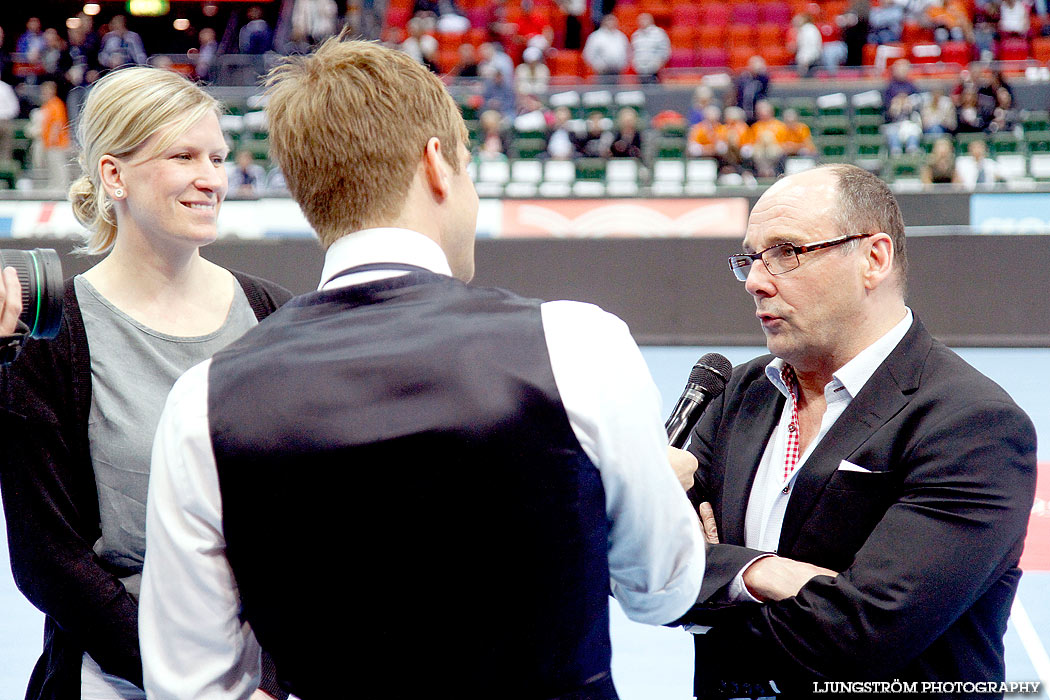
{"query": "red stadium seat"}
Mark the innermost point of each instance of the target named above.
(566, 62)
(914, 33)
(744, 14)
(398, 16)
(1041, 49)
(715, 14)
(1012, 49)
(776, 55)
(957, 52)
(710, 36)
(740, 55)
(769, 33)
(775, 13)
(740, 35)
(685, 15)
(682, 58)
(713, 58)
(682, 36)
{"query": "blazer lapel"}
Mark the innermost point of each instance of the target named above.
(759, 410)
(883, 396)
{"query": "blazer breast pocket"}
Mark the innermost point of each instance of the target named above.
(849, 508)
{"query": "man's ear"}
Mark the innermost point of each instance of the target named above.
(436, 169)
(879, 259)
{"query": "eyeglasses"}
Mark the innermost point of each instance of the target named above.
(782, 257)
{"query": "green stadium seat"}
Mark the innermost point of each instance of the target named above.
(528, 147)
(590, 169)
(670, 147)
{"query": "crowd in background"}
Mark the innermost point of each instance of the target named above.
(45, 72)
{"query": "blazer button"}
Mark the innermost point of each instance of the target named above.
(787, 490)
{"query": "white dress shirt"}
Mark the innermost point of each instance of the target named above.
(193, 642)
(771, 491)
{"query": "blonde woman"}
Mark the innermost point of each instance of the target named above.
(79, 413)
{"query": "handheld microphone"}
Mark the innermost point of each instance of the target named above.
(706, 381)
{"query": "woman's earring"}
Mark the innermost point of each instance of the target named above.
(118, 193)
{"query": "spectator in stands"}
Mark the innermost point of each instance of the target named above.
(737, 138)
(900, 83)
(1004, 117)
(798, 140)
(532, 115)
(607, 49)
(751, 85)
(766, 121)
(83, 49)
(56, 60)
(532, 76)
(450, 20)
(938, 113)
(596, 138)
(493, 136)
(467, 62)
(561, 139)
(703, 97)
(573, 10)
(1014, 18)
(854, 24)
(121, 46)
(8, 113)
(985, 171)
(651, 48)
(422, 47)
(246, 177)
(255, 36)
(313, 21)
(54, 136)
(500, 29)
(989, 83)
(808, 44)
(767, 156)
(950, 20)
(492, 54)
(207, 52)
(886, 21)
(707, 138)
(969, 116)
(939, 168)
(903, 124)
(627, 141)
(5, 61)
(496, 93)
(31, 43)
(533, 27)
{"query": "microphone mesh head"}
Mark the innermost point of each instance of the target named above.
(711, 372)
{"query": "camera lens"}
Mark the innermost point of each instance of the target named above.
(40, 276)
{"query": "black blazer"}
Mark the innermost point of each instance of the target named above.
(928, 543)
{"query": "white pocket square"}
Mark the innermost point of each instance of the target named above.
(845, 466)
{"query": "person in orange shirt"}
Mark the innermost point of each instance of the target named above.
(766, 121)
(799, 140)
(739, 140)
(707, 138)
(54, 136)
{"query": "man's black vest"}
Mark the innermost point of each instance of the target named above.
(406, 508)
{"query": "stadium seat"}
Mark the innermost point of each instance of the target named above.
(682, 58)
(775, 13)
(1012, 166)
(682, 36)
(957, 52)
(776, 55)
(714, 14)
(685, 15)
(744, 13)
(700, 175)
(710, 36)
(1041, 49)
(740, 35)
(621, 177)
(558, 176)
(1012, 49)
(668, 176)
(712, 58)
(1039, 166)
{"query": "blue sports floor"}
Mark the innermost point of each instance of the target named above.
(652, 663)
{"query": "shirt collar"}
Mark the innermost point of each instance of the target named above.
(854, 374)
(384, 245)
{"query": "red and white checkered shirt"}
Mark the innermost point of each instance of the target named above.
(793, 451)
